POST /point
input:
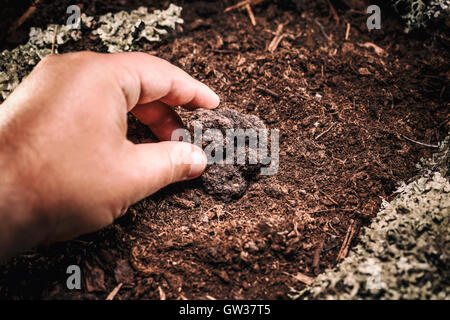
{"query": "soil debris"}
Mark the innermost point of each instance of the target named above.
(403, 254)
(321, 185)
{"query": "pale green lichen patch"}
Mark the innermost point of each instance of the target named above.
(119, 32)
(16, 64)
(64, 33)
(404, 253)
(439, 161)
(418, 13)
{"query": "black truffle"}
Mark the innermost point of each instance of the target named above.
(227, 181)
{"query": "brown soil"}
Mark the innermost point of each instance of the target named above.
(341, 109)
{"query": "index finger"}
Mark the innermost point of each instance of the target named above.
(144, 78)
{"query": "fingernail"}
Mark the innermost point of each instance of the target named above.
(213, 98)
(217, 99)
(197, 162)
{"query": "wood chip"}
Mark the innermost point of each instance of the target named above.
(323, 133)
(114, 292)
(421, 143)
(277, 39)
(347, 32)
(378, 50)
(54, 39)
(268, 91)
(242, 4)
(250, 14)
(333, 12)
(303, 278)
(316, 259)
(351, 231)
(162, 294)
(30, 11)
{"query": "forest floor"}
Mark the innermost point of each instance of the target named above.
(343, 108)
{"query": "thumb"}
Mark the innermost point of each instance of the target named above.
(156, 165)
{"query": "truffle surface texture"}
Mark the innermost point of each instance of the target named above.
(227, 181)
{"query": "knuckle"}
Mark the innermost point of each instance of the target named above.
(83, 55)
(80, 58)
(141, 54)
(48, 60)
(67, 59)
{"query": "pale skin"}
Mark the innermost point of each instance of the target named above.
(66, 167)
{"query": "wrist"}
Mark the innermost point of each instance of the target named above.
(22, 226)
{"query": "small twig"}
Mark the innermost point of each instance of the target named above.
(320, 135)
(54, 39)
(441, 94)
(276, 39)
(329, 198)
(421, 143)
(223, 51)
(331, 209)
(250, 14)
(114, 292)
(378, 50)
(276, 42)
(296, 228)
(162, 294)
(316, 259)
(242, 4)
(333, 12)
(344, 243)
(322, 29)
(24, 17)
(237, 5)
(301, 278)
(347, 32)
(347, 241)
(268, 91)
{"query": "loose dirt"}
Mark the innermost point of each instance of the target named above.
(342, 108)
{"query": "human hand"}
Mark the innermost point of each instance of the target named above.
(66, 165)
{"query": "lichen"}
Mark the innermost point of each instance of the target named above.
(119, 32)
(64, 33)
(405, 252)
(16, 64)
(418, 13)
(439, 161)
